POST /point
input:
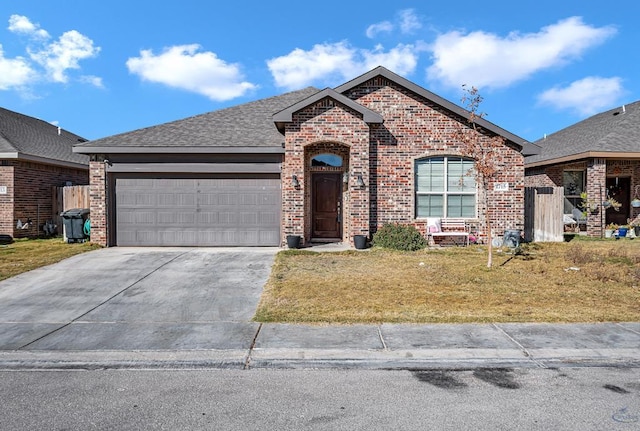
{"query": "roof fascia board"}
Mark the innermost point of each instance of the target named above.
(43, 160)
(527, 147)
(209, 168)
(286, 115)
(585, 155)
(177, 150)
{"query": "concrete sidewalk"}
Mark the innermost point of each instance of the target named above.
(387, 346)
(192, 308)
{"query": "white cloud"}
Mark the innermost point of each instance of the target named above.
(406, 20)
(487, 60)
(382, 27)
(300, 68)
(409, 21)
(402, 59)
(96, 81)
(56, 57)
(22, 24)
(327, 63)
(587, 96)
(64, 54)
(14, 72)
(199, 72)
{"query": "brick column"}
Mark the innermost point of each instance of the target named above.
(359, 196)
(98, 199)
(292, 195)
(596, 189)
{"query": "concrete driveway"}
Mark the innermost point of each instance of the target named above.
(137, 299)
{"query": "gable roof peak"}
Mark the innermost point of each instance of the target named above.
(527, 148)
(286, 115)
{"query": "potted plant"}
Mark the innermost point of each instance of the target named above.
(587, 205)
(609, 229)
(635, 202)
(622, 231)
(293, 241)
(635, 225)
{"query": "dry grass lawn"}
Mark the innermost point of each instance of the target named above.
(26, 254)
(579, 281)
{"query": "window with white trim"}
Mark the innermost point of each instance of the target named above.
(445, 187)
(574, 184)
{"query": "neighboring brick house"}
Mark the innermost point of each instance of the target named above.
(35, 156)
(322, 164)
(600, 156)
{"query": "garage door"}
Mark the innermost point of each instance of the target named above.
(198, 212)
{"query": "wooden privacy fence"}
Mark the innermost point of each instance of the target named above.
(543, 211)
(67, 198)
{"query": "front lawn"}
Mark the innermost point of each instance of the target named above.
(26, 254)
(579, 281)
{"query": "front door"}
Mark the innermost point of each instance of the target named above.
(619, 189)
(327, 201)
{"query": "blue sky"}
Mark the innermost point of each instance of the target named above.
(101, 68)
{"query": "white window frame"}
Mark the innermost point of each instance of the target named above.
(569, 199)
(446, 192)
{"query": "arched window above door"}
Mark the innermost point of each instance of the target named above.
(327, 159)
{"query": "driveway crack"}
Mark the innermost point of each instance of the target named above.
(102, 303)
(253, 344)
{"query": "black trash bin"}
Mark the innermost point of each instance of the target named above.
(74, 220)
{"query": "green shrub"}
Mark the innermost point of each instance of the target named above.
(399, 237)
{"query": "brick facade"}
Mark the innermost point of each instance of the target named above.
(384, 155)
(597, 171)
(29, 193)
(98, 199)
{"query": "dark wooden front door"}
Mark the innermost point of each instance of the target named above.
(327, 200)
(619, 189)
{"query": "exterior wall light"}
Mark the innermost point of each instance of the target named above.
(294, 181)
(359, 181)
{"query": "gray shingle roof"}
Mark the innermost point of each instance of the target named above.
(607, 133)
(26, 137)
(247, 125)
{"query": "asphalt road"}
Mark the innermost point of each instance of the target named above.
(480, 399)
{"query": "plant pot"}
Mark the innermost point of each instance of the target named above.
(293, 241)
(622, 232)
(608, 233)
(360, 242)
(635, 203)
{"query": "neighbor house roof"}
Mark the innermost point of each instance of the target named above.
(611, 134)
(527, 148)
(243, 128)
(27, 138)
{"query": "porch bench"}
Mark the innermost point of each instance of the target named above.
(453, 228)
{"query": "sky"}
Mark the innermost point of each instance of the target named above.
(102, 68)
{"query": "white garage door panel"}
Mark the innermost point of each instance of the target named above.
(198, 212)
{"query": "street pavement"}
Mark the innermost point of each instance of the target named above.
(192, 308)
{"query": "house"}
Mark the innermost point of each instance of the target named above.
(35, 156)
(325, 165)
(599, 156)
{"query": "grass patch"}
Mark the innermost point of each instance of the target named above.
(26, 254)
(580, 281)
